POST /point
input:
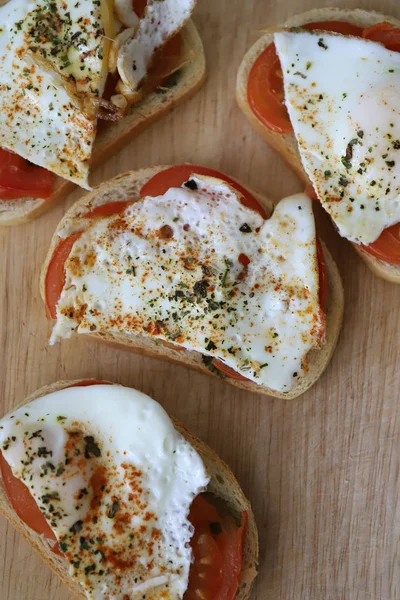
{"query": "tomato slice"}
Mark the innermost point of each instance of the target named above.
(336, 27)
(387, 246)
(177, 175)
(202, 512)
(384, 33)
(310, 192)
(139, 7)
(23, 502)
(206, 572)
(323, 279)
(165, 60)
(217, 547)
(265, 91)
(109, 209)
(233, 550)
(55, 276)
(20, 179)
(228, 371)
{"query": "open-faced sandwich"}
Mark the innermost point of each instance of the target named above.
(121, 500)
(324, 91)
(78, 80)
(185, 263)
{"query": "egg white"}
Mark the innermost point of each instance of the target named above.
(342, 94)
(152, 475)
(192, 290)
(53, 65)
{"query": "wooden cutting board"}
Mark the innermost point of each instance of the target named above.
(322, 472)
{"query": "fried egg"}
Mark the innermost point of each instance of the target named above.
(53, 69)
(342, 94)
(115, 482)
(196, 268)
(161, 20)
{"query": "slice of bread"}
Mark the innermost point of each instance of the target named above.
(114, 136)
(223, 484)
(286, 144)
(127, 187)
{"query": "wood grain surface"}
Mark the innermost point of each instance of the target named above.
(322, 471)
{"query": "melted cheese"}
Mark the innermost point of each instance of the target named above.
(115, 482)
(342, 95)
(53, 60)
(171, 267)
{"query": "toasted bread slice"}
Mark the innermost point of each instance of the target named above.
(222, 483)
(127, 187)
(113, 136)
(286, 144)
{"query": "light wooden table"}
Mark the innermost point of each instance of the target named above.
(322, 471)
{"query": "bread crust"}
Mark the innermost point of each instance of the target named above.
(285, 144)
(127, 187)
(223, 484)
(113, 137)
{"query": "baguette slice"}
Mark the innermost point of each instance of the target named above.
(127, 187)
(285, 144)
(115, 135)
(222, 483)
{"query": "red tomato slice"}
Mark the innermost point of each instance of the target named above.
(177, 175)
(228, 371)
(202, 512)
(55, 276)
(265, 92)
(335, 26)
(310, 192)
(23, 503)
(165, 60)
(139, 7)
(384, 33)
(323, 279)
(206, 572)
(88, 383)
(21, 499)
(20, 179)
(387, 246)
(217, 547)
(233, 550)
(107, 210)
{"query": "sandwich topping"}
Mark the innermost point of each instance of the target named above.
(342, 96)
(57, 58)
(53, 58)
(160, 21)
(115, 481)
(196, 268)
